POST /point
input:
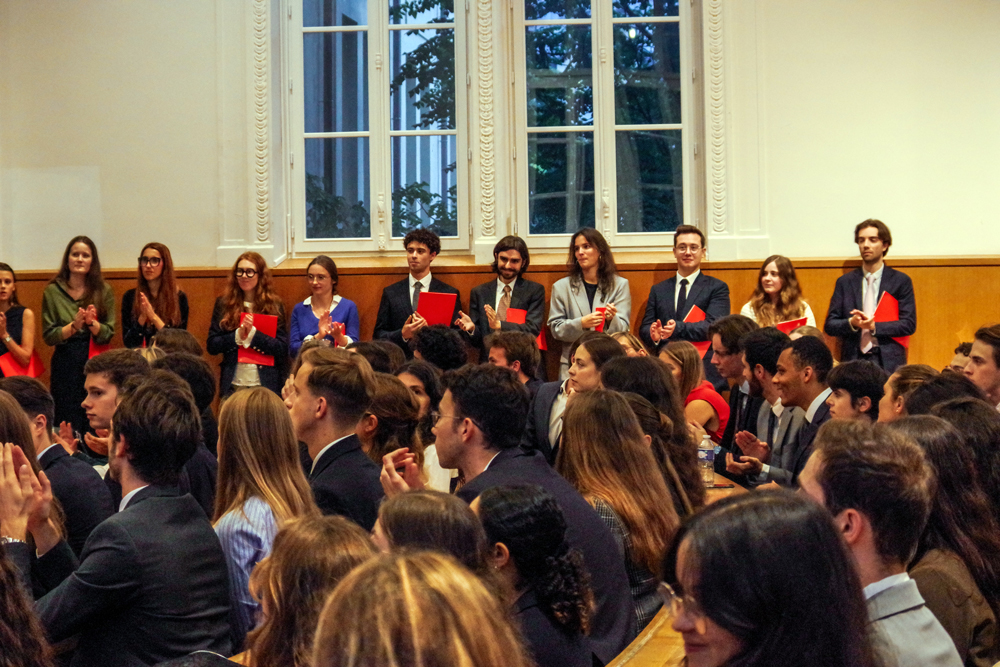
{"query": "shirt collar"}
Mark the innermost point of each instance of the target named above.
(425, 282)
(818, 401)
(777, 408)
(693, 277)
(501, 285)
(42, 453)
(128, 497)
(877, 274)
(745, 387)
(323, 451)
(874, 588)
(491, 461)
(333, 303)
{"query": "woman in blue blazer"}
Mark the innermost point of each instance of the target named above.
(325, 314)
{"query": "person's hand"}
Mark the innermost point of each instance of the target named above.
(145, 307)
(325, 325)
(66, 438)
(591, 320)
(465, 323)
(414, 323)
(246, 326)
(751, 446)
(492, 317)
(860, 321)
(697, 431)
(610, 311)
(15, 493)
(394, 483)
(98, 443)
(747, 465)
(80, 320)
(90, 315)
(3, 326)
(337, 330)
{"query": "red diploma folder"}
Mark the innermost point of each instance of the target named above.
(696, 314)
(10, 367)
(790, 326)
(542, 339)
(600, 325)
(267, 325)
(436, 307)
(888, 311)
(96, 348)
(517, 315)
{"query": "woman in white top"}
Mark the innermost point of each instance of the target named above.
(777, 297)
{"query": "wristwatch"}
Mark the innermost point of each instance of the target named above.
(7, 338)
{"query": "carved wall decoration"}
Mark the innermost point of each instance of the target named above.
(261, 119)
(716, 117)
(487, 168)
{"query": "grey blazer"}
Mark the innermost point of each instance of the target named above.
(782, 451)
(906, 632)
(569, 304)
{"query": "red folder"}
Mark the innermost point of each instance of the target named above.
(437, 307)
(600, 325)
(543, 340)
(10, 367)
(888, 311)
(791, 325)
(696, 314)
(96, 348)
(267, 325)
(517, 315)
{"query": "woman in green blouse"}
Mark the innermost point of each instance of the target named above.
(77, 307)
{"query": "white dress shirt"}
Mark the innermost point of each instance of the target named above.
(247, 375)
(425, 283)
(677, 291)
(128, 496)
(556, 415)
(323, 451)
(818, 401)
(500, 286)
(883, 584)
(877, 285)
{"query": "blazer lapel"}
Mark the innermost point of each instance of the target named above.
(882, 284)
(671, 299)
(692, 295)
(580, 296)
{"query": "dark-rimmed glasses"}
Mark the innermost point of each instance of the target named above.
(249, 273)
(150, 261)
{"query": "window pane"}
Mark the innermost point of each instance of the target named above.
(550, 10)
(647, 73)
(559, 76)
(649, 181)
(422, 94)
(411, 12)
(318, 13)
(624, 8)
(425, 189)
(336, 81)
(560, 182)
(337, 188)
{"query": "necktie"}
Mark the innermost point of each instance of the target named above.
(869, 307)
(504, 304)
(772, 422)
(741, 406)
(416, 294)
(682, 299)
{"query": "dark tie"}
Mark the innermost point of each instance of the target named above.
(416, 294)
(682, 299)
(741, 406)
(772, 422)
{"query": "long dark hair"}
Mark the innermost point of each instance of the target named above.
(430, 377)
(606, 269)
(961, 520)
(94, 281)
(13, 295)
(265, 299)
(772, 570)
(528, 521)
(21, 634)
(979, 424)
(166, 303)
(397, 412)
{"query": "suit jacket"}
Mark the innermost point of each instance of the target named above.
(708, 293)
(396, 307)
(783, 448)
(847, 297)
(569, 304)
(526, 295)
(803, 445)
(81, 492)
(536, 427)
(345, 481)
(613, 625)
(198, 478)
(906, 632)
(223, 341)
(747, 422)
(152, 585)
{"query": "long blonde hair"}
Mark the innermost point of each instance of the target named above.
(687, 357)
(604, 456)
(259, 457)
(790, 304)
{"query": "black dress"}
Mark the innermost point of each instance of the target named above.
(135, 334)
(15, 323)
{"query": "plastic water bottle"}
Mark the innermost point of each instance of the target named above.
(706, 460)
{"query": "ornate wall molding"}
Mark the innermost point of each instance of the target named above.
(717, 173)
(261, 121)
(487, 167)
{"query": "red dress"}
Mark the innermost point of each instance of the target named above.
(706, 392)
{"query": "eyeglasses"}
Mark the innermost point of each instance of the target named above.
(249, 273)
(687, 248)
(315, 277)
(151, 261)
(437, 416)
(678, 605)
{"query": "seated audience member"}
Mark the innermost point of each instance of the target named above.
(424, 382)
(979, 425)
(856, 389)
(21, 635)
(878, 486)
(177, 340)
(587, 357)
(727, 359)
(309, 558)
(199, 376)
(552, 596)
(333, 390)
(104, 376)
(395, 607)
(396, 356)
(939, 389)
(478, 430)
(899, 386)
(324, 315)
(84, 497)
(605, 457)
(631, 344)
(777, 297)
(261, 487)
(984, 363)
(790, 601)
(150, 354)
(807, 330)
(957, 564)
(961, 358)
(702, 404)
(152, 583)
(440, 346)
(199, 659)
(517, 351)
(377, 356)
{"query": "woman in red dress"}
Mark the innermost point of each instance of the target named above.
(702, 405)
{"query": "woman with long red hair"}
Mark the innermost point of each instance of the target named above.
(155, 302)
(250, 292)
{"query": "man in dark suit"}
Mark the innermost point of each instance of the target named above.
(332, 390)
(152, 583)
(84, 497)
(671, 301)
(397, 318)
(727, 357)
(489, 302)
(856, 295)
(478, 430)
(517, 351)
(544, 424)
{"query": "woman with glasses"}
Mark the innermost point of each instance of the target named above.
(155, 302)
(250, 292)
(324, 315)
(764, 579)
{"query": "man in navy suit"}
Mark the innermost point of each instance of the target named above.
(671, 301)
(397, 318)
(489, 302)
(851, 317)
(331, 391)
(727, 357)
